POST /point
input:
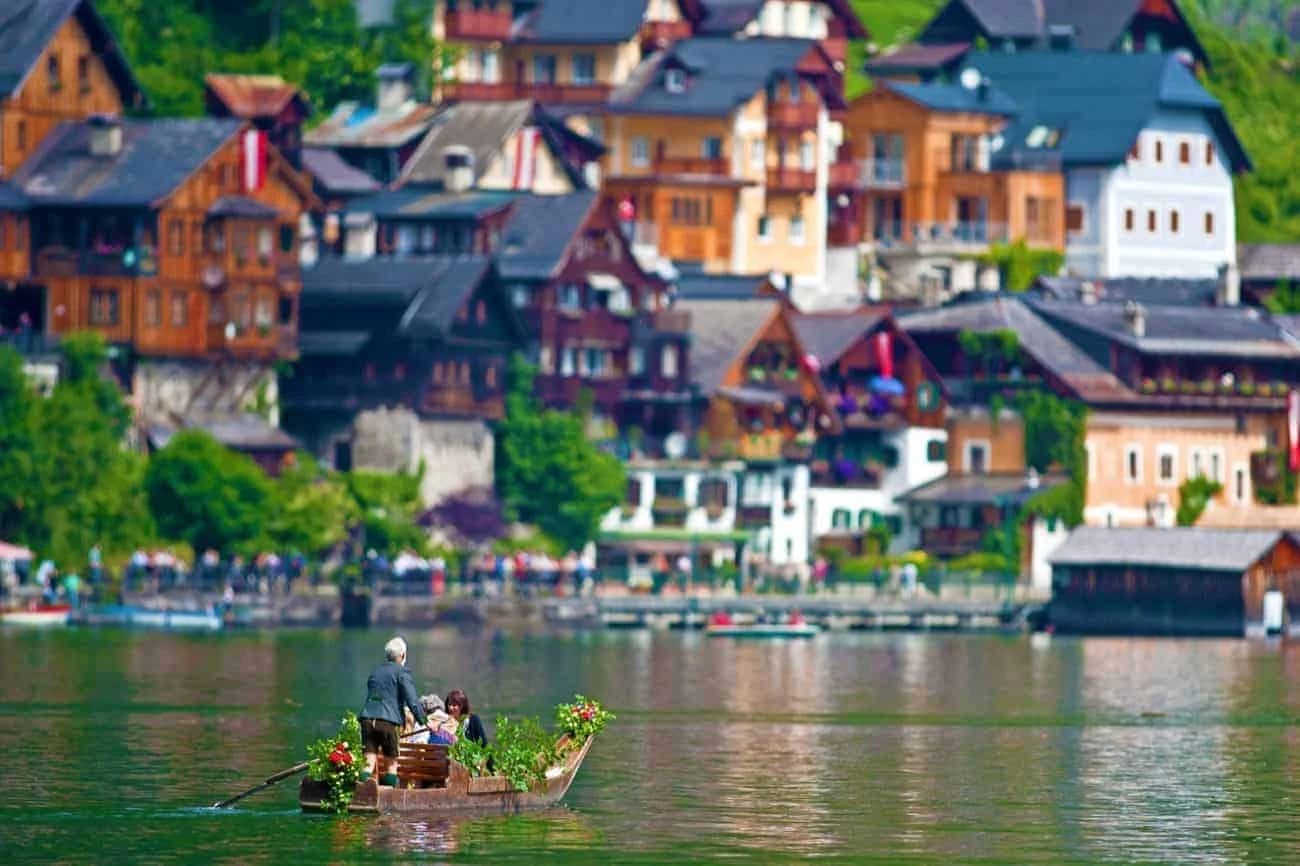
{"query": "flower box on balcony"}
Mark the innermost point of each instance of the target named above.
(1246, 389)
(1148, 386)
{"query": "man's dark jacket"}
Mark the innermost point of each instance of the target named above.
(389, 688)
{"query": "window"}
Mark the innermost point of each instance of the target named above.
(936, 451)
(1129, 219)
(711, 147)
(180, 309)
(1239, 484)
(176, 237)
(977, 458)
(1151, 220)
(215, 234)
(640, 151)
(1074, 219)
(264, 244)
(1166, 464)
(1216, 466)
(797, 235)
(104, 307)
(1133, 464)
(1160, 151)
(21, 136)
(668, 362)
(544, 69)
(807, 155)
(1173, 222)
(594, 362)
(286, 310)
(757, 152)
(764, 228)
(841, 518)
(570, 297)
(286, 239)
(1185, 152)
(1135, 152)
(1196, 466)
(1209, 153)
(491, 62)
(584, 68)
(83, 74)
(675, 80)
(264, 312)
(52, 71)
(568, 361)
(1209, 222)
(153, 308)
(520, 296)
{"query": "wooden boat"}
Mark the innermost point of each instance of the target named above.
(430, 783)
(41, 615)
(796, 630)
(133, 616)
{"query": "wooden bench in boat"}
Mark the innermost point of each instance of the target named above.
(422, 765)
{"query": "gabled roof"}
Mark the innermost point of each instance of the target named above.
(539, 231)
(1164, 291)
(828, 335)
(1098, 101)
(955, 98)
(1099, 25)
(253, 96)
(1001, 489)
(156, 157)
(352, 124)
(1185, 547)
(1179, 330)
(416, 203)
(1269, 262)
(1005, 19)
(1037, 338)
(727, 17)
(336, 175)
(917, 58)
(720, 333)
(450, 283)
(27, 26)
(580, 22)
(722, 75)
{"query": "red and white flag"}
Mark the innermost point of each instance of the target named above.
(253, 157)
(884, 345)
(1293, 428)
(526, 158)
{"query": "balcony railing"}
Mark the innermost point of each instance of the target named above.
(463, 401)
(845, 174)
(480, 24)
(792, 115)
(847, 473)
(961, 234)
(715, 166)
(545, 93)
(951, 541)
(64, 262)
(887, 173)
(787, 179)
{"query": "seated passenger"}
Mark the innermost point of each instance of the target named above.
(442, 727)
(470, 725)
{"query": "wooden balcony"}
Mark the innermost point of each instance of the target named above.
(843, 233)
(951, 541)
(470, 24)
(659, 34)
(710, 166)
(792, 115)
(551, 94)
(463, 402)
(791, 180)
(64, 262)
(479, 91)
(760, 447)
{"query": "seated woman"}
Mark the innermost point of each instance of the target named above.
(470, 725)
(442, 727)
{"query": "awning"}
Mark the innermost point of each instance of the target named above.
(604, 282)
(13, 552)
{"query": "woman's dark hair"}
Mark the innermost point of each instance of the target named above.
(457, 697)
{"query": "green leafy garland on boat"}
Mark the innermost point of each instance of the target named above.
(339, 761)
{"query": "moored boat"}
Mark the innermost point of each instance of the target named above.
(134, 616)
(802, 629)
(40, 615)
(431, 783)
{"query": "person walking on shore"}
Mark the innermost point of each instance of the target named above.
(389, 690)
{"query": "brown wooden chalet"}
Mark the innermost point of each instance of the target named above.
(428, 333)
(178, 238)
(270, 103)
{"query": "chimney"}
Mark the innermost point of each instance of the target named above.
(457, 168)
(394, 87)
(105, 135)
(1135, 315)
(1088, 292)
(1060, 37)
(1228, 291)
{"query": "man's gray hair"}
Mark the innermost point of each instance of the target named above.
(395, 649)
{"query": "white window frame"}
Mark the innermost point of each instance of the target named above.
(758, 153)
(639, 152)
(1240, 469)
(1132, 448)
(798, 230)
(573, 68)
(1196, 463)
(1083, 209)
(1090, 452)
(764, 228)
(490, 72)
(1165, 449)
(675, 80)
(968, 448)
(1218, 466)
(636, 361)
(669, 362)
(808, 155)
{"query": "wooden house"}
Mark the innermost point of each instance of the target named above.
(270, 103)
(1183, 581)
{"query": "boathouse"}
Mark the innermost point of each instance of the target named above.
(1184, 580)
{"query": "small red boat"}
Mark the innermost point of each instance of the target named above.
(42, 615)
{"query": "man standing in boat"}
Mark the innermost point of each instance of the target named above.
(389, 689)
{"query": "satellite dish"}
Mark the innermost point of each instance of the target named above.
(675, 446)
(997, 142)
(970, 78)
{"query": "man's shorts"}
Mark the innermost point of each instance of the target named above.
(378, 735)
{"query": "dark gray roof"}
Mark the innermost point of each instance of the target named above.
(909, 58)
(242, 432)
(1099, 25)
(954, 97)
(1007, 19)
(696, 285)
(1037, 338)
(156, 157)
(335, 174)
(1098, 101)
(483, 127)
(337, 344)
(12, 198)
(539, 231)
(1179, 330)
(414, 202)
(1269, 262)
(1165, 291)
(27, 26)
(450, 283)
(1189, 547)
(1004, 489)
(722, 74)
(580, 21)
(241, 206)
(720, 331)
(827, 336)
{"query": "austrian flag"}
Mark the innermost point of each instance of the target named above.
(253, 159)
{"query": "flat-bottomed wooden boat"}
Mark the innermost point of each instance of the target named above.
(41, 615)
(762, 630)
(430, 783)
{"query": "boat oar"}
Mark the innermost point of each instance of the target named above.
(295, 770)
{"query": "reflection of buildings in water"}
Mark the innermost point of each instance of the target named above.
(1177, 678)
(552, 830)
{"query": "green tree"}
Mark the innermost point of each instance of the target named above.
(1193, 495)
(1021, 264)
(548, 472)
(1285, 298)
(207, 495)
(311, 509)
(18, 408)
(388, 505)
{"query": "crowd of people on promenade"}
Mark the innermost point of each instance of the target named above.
(533, 572)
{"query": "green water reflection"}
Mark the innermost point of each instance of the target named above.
(862, 748)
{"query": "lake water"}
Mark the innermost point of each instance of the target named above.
(853, 748)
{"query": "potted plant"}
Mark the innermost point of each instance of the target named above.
(1187, 387)
(1148, 386)
(1169, 384)
(1207, 386)
(1246, 388)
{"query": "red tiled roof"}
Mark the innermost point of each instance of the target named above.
(250, 96)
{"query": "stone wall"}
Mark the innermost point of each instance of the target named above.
(457, 454)
(171, 389)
